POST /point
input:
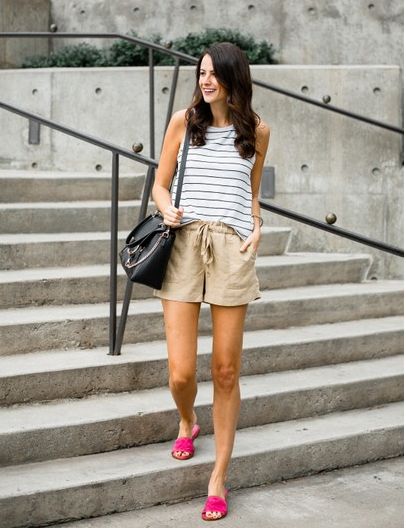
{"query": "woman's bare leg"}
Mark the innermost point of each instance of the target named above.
(181, 327)
(228, 328)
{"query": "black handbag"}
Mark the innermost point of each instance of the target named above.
(148, 246)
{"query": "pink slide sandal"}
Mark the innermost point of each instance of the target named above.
(185, 444)
(217, 505)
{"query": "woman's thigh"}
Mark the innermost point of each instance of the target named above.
(181, 328)
(228, 330)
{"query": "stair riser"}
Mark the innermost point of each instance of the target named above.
(19, 190)
(188, 481)
(142, 429)
(96, 289)
(69, 220)
(87, 333)
(88, 252)
(77, 383)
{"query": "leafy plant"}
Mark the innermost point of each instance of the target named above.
(126, 53)
(75, 56)
(195, 43)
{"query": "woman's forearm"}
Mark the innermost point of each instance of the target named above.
(161, 197)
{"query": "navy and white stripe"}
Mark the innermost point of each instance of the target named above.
(217, 182)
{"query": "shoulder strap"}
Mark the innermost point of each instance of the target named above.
(182, 168)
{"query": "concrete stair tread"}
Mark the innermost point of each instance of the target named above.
(73, 359)
(60, 175)
(23, 238)
(85, 470)
(104, 407)
(339, 498)
(79, 204)
(32, 238)
(40, 314)
(288, 259)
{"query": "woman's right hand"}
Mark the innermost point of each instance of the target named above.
(172, 216)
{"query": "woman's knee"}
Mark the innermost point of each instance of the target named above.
(181, 381)
(225, 377)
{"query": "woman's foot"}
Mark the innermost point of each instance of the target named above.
(217, 508)
(186, 431)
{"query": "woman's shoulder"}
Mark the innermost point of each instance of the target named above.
(262, 129)
(179, 118)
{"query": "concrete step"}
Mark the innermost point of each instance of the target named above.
(364, 496)
(65, 217)
(90, 284)
(56, 186)
(74, 373)
(35, 250)
(86, 325)
(107, 422)
(126, 479)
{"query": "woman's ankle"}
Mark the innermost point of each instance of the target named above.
(186, 424)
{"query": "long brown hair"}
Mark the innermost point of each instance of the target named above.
(232, 71)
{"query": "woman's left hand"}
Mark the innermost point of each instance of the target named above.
(253, 239)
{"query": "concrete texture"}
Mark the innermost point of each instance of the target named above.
(77, 373)
(323, 162)
(56, 186)
(318, 33)
(32, 15)
(85, 284)
(67, 217)
(363, 496)
(86, 486)
(104, 423)
(35, 250)
(44, 328)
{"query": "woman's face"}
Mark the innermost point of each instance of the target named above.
(212, 90)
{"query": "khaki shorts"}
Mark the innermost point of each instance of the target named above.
(206, 264)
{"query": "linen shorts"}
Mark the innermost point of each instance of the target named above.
(206, 265)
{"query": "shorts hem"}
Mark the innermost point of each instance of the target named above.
(235, 301)
(172, 297)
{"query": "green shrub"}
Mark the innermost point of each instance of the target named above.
(76, 56)
(125, 53)
(195, 43)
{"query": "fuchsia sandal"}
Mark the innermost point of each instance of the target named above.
(215, 504)
(184, 443)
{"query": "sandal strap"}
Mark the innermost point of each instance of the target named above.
(215, 504)
(183, 444)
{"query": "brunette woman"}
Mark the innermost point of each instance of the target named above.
(213, 258)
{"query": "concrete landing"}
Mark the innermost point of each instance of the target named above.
(366, 496)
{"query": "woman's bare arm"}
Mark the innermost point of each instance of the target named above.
(166, 168)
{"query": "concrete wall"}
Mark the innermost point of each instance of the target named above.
(304, 32)
(21, 15)
(324, 162)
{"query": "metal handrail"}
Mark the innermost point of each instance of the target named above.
(193, 60)
(116, 335)
(116, 151)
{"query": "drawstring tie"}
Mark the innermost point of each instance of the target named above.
(203, 238)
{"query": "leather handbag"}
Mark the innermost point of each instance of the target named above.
(148, 246)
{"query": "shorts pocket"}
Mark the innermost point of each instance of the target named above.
(241, 267)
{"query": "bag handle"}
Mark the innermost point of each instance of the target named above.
(182, 167)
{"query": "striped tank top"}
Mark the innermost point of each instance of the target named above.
(217, 182)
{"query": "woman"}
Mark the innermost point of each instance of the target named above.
(213, 257)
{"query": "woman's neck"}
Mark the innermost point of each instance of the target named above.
(221, 115)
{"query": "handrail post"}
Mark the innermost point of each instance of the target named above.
(113, 253)
(151, 103)
(172, 94)
(149, 180)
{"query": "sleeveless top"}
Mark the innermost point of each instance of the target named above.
(217, 182)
